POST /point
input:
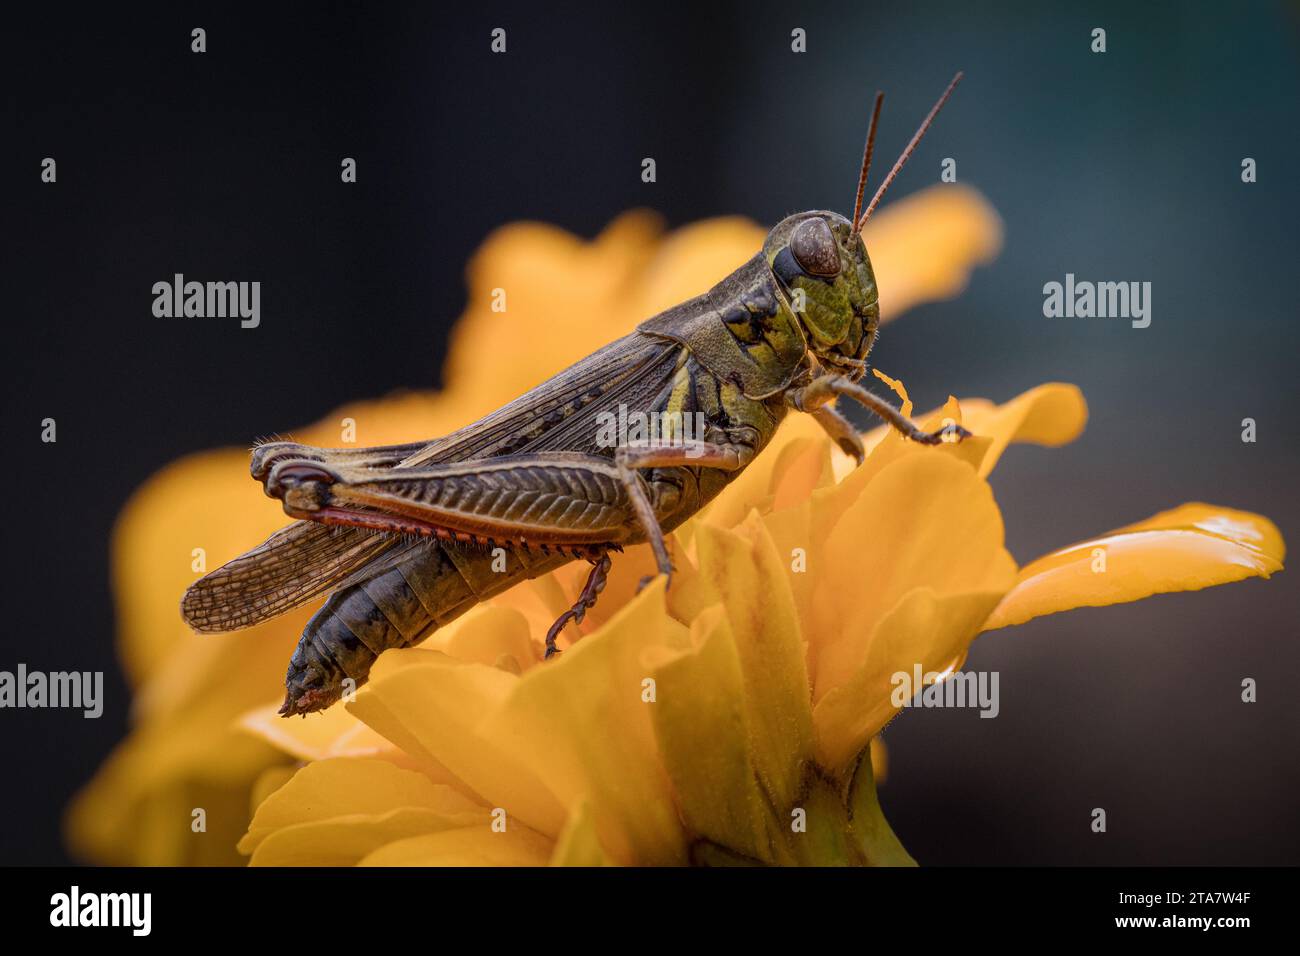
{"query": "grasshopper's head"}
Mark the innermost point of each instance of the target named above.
(822, 265)
(820, 261)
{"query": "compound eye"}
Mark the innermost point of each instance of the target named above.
(813, 246)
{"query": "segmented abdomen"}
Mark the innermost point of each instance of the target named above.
(397, 608)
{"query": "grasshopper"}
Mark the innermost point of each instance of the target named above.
(399, 536)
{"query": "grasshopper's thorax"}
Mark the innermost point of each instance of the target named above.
(821, 265)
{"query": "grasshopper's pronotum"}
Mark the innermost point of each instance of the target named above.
(396, 533)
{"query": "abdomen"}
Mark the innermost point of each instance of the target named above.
(398, 608)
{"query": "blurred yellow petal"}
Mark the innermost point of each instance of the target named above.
(1188, 548)
(924, 247)
(153, 549)
(563, 299)
(792, 538)
(139, 809)
(692, 260)
(467, 846)
(625, 576)
(154, 546)
(190, 688)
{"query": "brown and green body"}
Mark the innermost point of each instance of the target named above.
(407, 538)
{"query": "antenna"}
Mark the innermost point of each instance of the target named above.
(907, 153)
(866, 156)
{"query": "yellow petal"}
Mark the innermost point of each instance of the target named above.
(793, 458)
(270, 781)
(181, 751)
(925, 521)
(751, 579)
(330, 733)
(621, 587)
(563, 299)
(924, 247)
(578, 843)
(692, 260)
(580, 725)
(346, 840)
(138, 809)
(700, 726)
(886, 446)
(160, 528)
(153, 549)
(488, 634)
(1187, 548)
(793, 542)
(1052, 415)
(879, 759)
(333, 812)
(467, 846)
(432, 707)
(924, 628)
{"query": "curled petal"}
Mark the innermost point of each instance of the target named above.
(1053, 414)
(1187, 548)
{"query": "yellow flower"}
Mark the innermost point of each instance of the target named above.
(727, 720)
(568, 297)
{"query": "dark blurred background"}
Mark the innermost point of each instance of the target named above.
(1122, 166)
